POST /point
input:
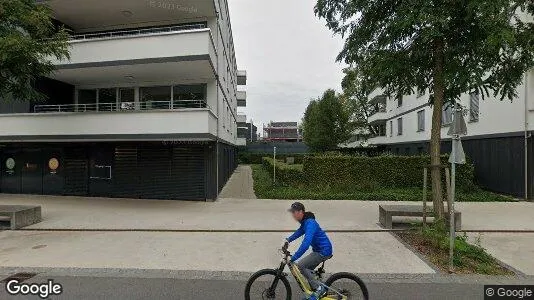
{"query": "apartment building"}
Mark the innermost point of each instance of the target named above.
(282, 132)
(499, 140)
(146, 106)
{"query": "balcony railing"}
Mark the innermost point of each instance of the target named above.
(136, 32)
(124, 106)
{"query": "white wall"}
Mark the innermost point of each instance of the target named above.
(197, 121)
(495, 116)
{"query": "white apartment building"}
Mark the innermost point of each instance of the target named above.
(499, 140)
(146, 106)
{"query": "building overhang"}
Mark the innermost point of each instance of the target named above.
(100, 15)
(159, 57)
(242, 77)
(241, 99)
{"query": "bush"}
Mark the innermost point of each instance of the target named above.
(285, 174)
(250, 158)
(385, 171)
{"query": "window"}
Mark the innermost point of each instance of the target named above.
(390, 128)
(399, 124)
(421, 121)
(447, 115)
(157, 97)
(399, 100)
(86, 100)
(188, 96)
(107, 99)
(474, 99)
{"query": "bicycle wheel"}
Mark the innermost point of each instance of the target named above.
(348, 285)
(259, 286)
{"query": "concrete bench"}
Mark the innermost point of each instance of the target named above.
(387, 212)
(19, 216)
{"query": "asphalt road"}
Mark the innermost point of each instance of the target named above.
(76, 287)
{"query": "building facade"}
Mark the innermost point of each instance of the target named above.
(499, 140)
(282, 132)
(146, 106)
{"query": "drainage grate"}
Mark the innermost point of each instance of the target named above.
(20, 277)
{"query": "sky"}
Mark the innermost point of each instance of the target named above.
(289, 55)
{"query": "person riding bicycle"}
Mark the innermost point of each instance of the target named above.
(315, 237)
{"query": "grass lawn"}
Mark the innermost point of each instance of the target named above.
(433, 243)
(265, 189)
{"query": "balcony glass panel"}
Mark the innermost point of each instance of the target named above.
(158, 97)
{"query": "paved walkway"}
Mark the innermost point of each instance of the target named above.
(240, 185)
(362, 252)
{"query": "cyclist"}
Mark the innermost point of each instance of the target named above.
(315, 237)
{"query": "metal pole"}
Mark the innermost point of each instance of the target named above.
(425, 175)
(274, 166)
(452, 196)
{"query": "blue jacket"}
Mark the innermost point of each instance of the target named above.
(314, 236)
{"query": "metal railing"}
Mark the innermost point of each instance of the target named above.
(123, 106)
(135, 32)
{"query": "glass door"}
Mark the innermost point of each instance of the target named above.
(127, 98)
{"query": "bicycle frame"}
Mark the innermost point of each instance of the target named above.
(301, 280)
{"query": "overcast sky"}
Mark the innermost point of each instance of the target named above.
(289, 55)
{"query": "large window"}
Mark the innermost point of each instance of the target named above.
(474, 100)
(86, 100)
(190, 96)
(107, 99)
(447, 114)
(390, 128)
(158, 97)
(421, 120)
(399, 128)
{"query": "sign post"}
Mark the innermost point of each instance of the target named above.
(457, 129)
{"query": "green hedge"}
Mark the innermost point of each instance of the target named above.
(367, 172)
(250, 158)
(285, 174)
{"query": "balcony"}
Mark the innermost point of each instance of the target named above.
(377, 140)
(379, 114)
(242, 77)
(241, 99)
(154, 54)
(176, 120)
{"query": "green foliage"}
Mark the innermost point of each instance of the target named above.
(468, 258)
(368, 191)
(252, 158)
(285, 174)
(327, 122)
(357, 89)
(28, 40)
(467, 45)
(386, 171)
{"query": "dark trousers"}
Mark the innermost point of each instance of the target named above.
(308, 264)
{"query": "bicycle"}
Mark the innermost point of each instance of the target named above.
(273, 283)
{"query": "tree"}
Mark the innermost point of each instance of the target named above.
(444, 47)
(327, 122)
(357, 89)
(28, 41)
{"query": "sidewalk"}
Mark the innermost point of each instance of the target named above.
(240, 185)
(258, 227)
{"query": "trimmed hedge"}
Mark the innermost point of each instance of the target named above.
(250, 158)
(285, 174)
(385, 171)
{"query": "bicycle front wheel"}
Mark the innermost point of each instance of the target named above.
(260, 286)
(348, 285)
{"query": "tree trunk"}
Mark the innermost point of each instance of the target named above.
(435, 139)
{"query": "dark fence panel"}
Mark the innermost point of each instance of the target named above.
(281, 147)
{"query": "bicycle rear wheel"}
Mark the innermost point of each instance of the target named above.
(259, 286)
(348, 285)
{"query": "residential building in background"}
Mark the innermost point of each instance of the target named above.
(146, 107)
(282, 132)
(499, 140)
(247, 132)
